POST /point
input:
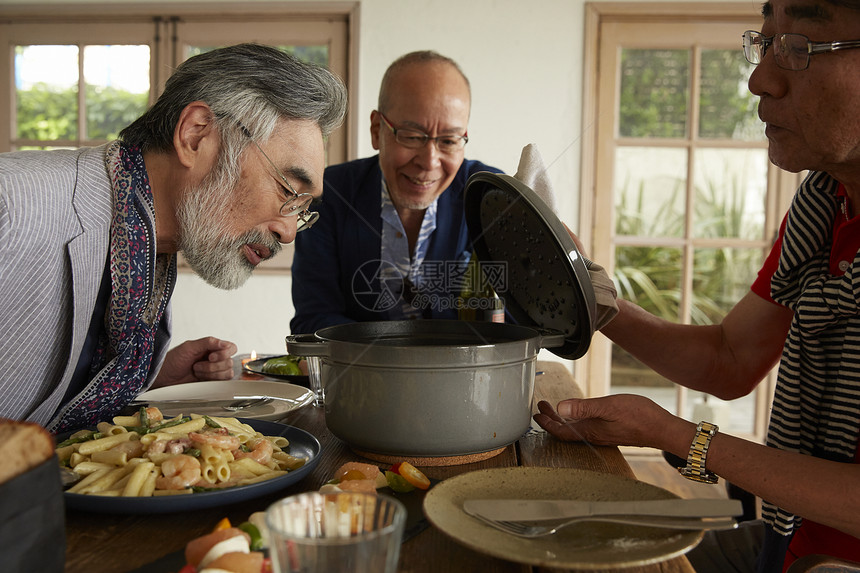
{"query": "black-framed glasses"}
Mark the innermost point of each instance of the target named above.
(296, 204)
(414, 139)
(790, 51)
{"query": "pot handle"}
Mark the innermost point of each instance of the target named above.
(306, 345)
(550, 338)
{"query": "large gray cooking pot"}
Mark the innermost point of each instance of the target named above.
(426, 388)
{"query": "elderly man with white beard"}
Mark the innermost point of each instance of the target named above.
(223, 168)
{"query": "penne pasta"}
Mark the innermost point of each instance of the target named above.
(184, 428)
(86, 467)
(137, 478)
(288, 462)
(84, 483)
(101, 444)
(110, 429)
(279, 441)
(252, 466)
(111, 457)
(65, 453)
(172, 457)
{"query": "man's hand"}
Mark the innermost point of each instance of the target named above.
(203, 359)
(619, 420)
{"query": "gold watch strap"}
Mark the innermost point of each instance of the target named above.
(696, 469)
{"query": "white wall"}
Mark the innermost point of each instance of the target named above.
(525, 63)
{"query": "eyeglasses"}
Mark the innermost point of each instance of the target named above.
(791, 51)
(296, 204)
(414, 139)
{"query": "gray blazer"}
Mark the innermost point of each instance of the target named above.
(55, 211)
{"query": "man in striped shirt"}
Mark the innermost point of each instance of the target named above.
(803, 312)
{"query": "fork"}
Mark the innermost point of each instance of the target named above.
(249, 403)
(233, 406)
(521, 529)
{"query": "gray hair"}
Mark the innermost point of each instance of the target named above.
(406, 60)
(248, 85)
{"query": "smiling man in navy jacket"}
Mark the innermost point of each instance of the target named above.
(391, 242)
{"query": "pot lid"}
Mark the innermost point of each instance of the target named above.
(545, 281)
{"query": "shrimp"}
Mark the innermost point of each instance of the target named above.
(260, 453)
(156, 447)
(177, 446)
(179, 472)
(152, 415)
(217, 439)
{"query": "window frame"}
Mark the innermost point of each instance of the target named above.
(600, 110)
(169, 28)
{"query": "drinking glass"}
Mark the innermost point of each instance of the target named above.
(316, 380)
(335, 533)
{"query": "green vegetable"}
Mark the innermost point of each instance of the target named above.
(211, 423)
(256, 538)
(283, 365)
(201, 489)
(79, 439)
(142, 430)
(174, 422)
(398, 483)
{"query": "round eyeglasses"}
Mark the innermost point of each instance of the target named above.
(414, 139)
(297, 204)
(790, 51)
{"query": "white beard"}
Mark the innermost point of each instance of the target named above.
(205, 239)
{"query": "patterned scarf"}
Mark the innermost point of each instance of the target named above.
(816, 406)
(141, 284)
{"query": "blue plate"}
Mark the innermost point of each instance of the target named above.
(302, 444)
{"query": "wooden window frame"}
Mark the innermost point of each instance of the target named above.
(599, 110)
(172, 26)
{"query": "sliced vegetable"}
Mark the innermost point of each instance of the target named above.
(413, 475)
(352, 475)
(80, 439)
(397, 482)
(283, 365)
(223, 524)
(256, 539)
(367, 471)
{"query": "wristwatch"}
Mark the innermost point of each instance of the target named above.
(696, 469)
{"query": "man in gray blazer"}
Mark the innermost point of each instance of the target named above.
(222, 167)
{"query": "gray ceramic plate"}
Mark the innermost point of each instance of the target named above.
(589, 545)
(288, 397)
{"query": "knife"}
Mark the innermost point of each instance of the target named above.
(548, 509)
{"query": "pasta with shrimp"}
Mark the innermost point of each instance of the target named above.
(147, 455)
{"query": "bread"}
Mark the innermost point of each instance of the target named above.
(23, 446)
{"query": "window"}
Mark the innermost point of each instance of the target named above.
(685, 203)
(79, 75)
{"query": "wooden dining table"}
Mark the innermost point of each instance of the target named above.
(109, 543)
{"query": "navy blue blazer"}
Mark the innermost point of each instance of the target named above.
(336, 266)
